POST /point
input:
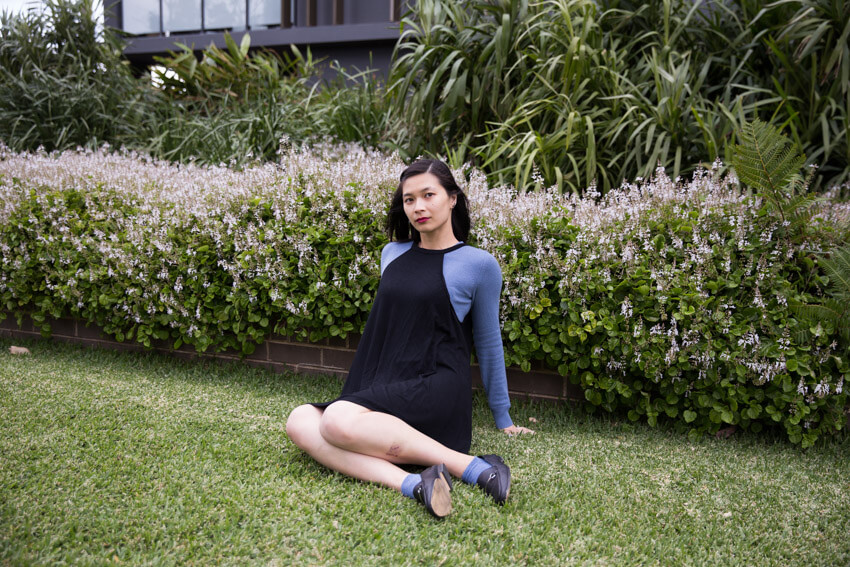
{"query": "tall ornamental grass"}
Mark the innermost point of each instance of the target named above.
(236, 105)
(64, 84)
(63, 81)
(665, 299)
(533, 92)
(569, 92)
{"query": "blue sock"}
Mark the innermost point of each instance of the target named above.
(409, 483)
(474, 470)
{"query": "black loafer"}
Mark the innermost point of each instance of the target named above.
(434, 491)
(495, 481)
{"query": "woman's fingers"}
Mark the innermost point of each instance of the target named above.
(517, 430)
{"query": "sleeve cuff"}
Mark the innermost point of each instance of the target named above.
(503, 418)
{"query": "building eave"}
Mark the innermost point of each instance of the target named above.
(380, 32)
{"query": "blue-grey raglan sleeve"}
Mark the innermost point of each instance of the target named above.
(392, 251)
(487, 335)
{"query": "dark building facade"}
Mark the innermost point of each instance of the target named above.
(358, 33)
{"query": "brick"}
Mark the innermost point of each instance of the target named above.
(21, 334)
(162, 345)
(103, 344)
(90, 332)
(94, 343)
(573, 391)
(189, 349)
(72, 340)
(27, 334)
(295, 353)
(527, 385)
(9, 324)
(261, 354)
(126, 346)
(536, 383)
(337, 358)
(184, 355)
(320, 371)
(281, 354)
(280, 367)
(66, 327)
(353, 340)
(27, 325)
(258, 364)
(221, 358)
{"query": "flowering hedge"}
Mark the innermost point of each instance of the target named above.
(668, 300)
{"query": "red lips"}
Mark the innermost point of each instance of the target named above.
(423, 219)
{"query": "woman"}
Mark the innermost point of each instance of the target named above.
(408, 398)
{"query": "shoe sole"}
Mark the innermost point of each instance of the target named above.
(441, 499)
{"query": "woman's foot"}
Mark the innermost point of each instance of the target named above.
(435, 491)
(496, 480)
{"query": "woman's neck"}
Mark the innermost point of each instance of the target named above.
(442, 241)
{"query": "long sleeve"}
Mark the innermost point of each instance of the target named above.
(487, 336)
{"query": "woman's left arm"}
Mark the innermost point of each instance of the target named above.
(487, 335)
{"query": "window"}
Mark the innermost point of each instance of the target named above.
(140, 16)
(181, 15)
(220, 14)
(144, 17)
(263, 13)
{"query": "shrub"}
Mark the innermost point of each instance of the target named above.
(236, 106)
(665, 300)
(63, 82)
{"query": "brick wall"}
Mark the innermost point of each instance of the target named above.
(332, 356)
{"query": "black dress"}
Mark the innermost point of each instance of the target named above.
(413, 360)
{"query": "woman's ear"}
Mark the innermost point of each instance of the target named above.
(454, 201)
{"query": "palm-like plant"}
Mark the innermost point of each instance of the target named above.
(230, 74)
(834, 308)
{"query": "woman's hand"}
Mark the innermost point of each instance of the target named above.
(517, 430)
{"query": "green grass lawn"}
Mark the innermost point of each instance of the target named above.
(141, 459)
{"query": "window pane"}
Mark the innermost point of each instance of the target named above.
(181, 15)
(140, 16)
(264, 13)
(224, 14)
(364, 12)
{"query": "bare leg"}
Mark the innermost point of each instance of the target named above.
(303, 426)
(354, 428)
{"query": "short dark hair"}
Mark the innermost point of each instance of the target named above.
(398, 225)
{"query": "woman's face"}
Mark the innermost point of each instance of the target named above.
(427, 204)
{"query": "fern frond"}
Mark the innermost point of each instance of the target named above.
(802, 336)
(836, 265)
(812, 313)
(799, 210)
(766, 160)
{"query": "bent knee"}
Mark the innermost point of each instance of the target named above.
(337, 423)
(302, 425)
